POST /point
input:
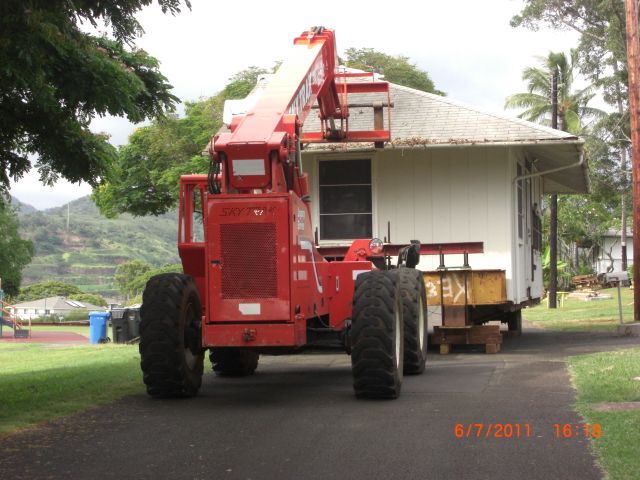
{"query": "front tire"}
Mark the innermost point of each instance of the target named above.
(377, 341)
(170, 337)
(233, 362)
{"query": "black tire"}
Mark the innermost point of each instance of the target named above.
(414, 315)
(234, 362)
(377, 336)
(170, 338)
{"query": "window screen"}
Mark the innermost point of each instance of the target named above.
(345, 199)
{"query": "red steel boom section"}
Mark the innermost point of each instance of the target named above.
(261, 152)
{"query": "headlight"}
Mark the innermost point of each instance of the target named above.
(376, 246)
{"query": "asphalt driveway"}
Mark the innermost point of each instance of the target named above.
(297, 418)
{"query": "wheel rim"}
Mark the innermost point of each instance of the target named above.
(398, 339)
(189, 358)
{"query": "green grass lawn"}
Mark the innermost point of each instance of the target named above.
(39, 382)
(611, 377)
(578, 315)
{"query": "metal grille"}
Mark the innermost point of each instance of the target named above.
(249, 263)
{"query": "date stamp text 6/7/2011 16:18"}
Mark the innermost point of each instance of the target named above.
(525, 430)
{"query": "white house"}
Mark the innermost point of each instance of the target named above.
(609, 257)
(59, 306)
(451, 173)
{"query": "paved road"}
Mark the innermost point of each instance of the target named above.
(297, 419)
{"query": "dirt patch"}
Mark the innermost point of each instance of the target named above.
(616, 406)
(49, 337)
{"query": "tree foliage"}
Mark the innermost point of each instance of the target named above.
(601, 57)
(395, 68)
(15, 252)
(127, 272)
(55, 77)
(132, 277)
(581, 220)
(573, 106)
(91, 298)
(601, 25)
(144, 178)
(47, 289)
(138, 284)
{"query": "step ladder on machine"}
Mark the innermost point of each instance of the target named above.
(7, 319)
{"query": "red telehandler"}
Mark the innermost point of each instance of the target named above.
(255, 281)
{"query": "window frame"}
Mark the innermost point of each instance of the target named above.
(317, 200)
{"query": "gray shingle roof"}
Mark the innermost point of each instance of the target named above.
(57, 303)
(420, 119)
(424, 118)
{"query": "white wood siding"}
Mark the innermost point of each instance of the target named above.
(448, 194)
(613, 246)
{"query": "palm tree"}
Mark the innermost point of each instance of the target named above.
(537, 101)
(551, 101)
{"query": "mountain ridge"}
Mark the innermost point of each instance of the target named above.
(77, 245)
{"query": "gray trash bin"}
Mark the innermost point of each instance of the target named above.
(133, 317)
(120, 325)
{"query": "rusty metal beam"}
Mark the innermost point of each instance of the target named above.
(425, 249)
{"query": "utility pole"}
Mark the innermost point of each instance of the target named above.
(633, 51)
(553, 214)
(623, 208)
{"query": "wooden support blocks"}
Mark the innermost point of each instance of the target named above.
(487, 335)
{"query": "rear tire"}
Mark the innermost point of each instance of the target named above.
(377, 336)
(170, 337)
(234, 362)
(414, 314)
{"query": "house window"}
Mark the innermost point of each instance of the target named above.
(345, 199)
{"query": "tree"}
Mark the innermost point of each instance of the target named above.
(602, 45)
(144, 178)
(47, 289)
(55, 78)
(15, 252)
(138, 283)
(91, 298)
(550, 98)
(602, 59)
(127, 272)
(396, 69)
(572, 105)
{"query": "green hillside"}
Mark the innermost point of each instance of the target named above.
(87, 252)
(23, 208)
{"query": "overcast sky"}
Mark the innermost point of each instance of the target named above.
(467, 46)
